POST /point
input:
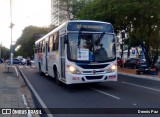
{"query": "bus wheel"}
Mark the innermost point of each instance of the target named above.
(56, 77)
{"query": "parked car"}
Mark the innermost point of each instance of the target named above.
(135, 63)
(23, 61)
(15, 61)
(32, 62)
(119, 61)
(1, 60)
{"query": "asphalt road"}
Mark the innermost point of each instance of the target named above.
(126, 96)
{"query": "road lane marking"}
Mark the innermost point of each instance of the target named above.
(26, 104)
(27, 66)
(36, 94)
(16, 71)
(105, 93)
(20, 66)
(142, 86)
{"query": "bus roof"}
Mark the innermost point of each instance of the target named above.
(65, 25)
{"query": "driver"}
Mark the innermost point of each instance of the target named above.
(100, 53)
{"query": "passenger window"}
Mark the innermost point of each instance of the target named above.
(43, 46)
(51, 43)
(56, 41)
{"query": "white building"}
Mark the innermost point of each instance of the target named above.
(59, 12)
(133, 50)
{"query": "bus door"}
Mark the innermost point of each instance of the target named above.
(46, 56)
(62, 56)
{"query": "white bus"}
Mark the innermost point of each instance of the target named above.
(78, 51)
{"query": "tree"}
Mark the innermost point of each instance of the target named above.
(5, 52)
(68, 8)
(139, 17)
(27, 40)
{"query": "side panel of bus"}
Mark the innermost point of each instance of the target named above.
(62, 57)
(46, 57)
(53, 54)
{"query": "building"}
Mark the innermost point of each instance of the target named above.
(59, 13)
(54, 12)
(133, 50)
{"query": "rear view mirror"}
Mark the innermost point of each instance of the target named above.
(65, 39)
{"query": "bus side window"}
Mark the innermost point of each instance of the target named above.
(39, 49)
(41, 46)
(43, 49)
(56, 41)
(50, 43)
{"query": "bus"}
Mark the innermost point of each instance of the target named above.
(78, 51)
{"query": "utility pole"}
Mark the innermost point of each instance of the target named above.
(0, 49)
(129, 43)
(123, 37)
(11, 26)
(58, 13)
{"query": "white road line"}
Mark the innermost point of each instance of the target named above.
(16, 70)
(36, 94)
(27, 66)
(20, 66)
(142, 86)
(106, 93)
(26, 104)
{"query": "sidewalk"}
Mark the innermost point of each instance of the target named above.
(132, 72)
(12, 93)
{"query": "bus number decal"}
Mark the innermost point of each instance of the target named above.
(75, 78)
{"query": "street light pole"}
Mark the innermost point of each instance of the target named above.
(58, 13)
(11, 26)
(0, 49)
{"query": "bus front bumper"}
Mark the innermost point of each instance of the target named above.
(81, 78)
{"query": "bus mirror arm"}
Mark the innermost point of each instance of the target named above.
(65, 39)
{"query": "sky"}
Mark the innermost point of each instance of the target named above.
(24, 13)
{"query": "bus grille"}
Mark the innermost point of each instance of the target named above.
(93, 66)
(93, 77)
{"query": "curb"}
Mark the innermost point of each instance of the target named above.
(141, 76)
(36, 94)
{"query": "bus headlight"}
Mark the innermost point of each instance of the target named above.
(112, 68)
(73, 70)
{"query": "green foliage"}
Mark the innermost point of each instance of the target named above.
(71, 7)
(141, 18)
(5, 53)
(27, 40)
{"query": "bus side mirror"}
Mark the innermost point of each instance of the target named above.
(65, 39)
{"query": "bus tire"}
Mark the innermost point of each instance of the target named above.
(58, 82)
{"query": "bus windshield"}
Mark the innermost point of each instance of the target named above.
(94, 47)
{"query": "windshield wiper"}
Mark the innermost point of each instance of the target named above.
(100, 38)
(79, 36)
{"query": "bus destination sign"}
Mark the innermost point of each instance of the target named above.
(79, 26)
(90, 26)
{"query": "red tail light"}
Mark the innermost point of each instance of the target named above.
(138, 62)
